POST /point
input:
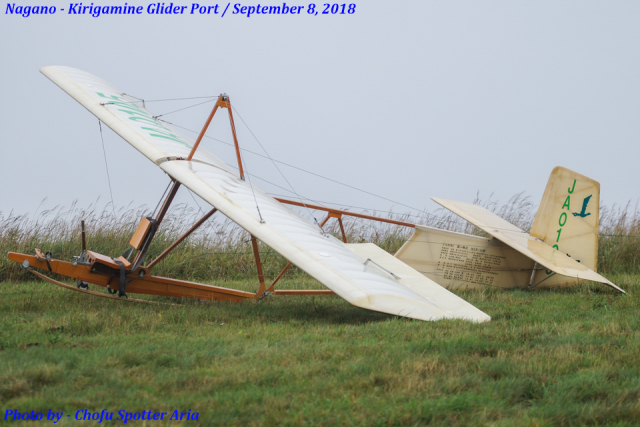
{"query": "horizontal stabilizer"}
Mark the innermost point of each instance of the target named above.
(461, 261)
(518, 239)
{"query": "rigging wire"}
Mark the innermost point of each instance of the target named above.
(167, 99)
(300, 169)
(161, 198)
(198, 204)
(276, 166)
(185, 108)
(107, 168)
(243, 161)
(292, 192)
(139, 99)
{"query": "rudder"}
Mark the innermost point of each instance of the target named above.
(568, 216)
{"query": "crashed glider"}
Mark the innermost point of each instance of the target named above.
(363, 274)
(561, 250)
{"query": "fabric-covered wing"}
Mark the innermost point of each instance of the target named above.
(521, 241)
(322, 256)
(123, 114)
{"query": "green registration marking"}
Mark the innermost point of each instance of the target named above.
(562, 221)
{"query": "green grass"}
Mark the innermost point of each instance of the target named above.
(562, 357)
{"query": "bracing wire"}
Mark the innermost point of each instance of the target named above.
(161, 198)
(185, 108)
(196, 202)
(298, 168)
(167, 99)
(276, 166)
(139, 99)
(243, 161)
(107, 168)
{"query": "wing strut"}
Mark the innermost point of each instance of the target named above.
(181, 238)
(256, 254)
(138, 260)
(222, 102)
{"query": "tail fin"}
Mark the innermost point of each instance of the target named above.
(568, 216)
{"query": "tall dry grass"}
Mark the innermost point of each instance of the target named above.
(220, 249)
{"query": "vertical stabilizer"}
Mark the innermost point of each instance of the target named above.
(568, 216)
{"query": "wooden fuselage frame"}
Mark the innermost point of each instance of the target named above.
(104, 271)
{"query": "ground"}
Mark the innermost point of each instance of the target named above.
(563, 357)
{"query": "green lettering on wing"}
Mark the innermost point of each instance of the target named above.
(164, 133)
(138, 114)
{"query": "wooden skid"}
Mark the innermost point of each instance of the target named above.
(150, 285)
(304, 292)
(84, 291)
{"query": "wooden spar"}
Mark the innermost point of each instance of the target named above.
(222, 102)
(167, 203)
(284, 270)
(256, 254)
(159, 218)
(347, 213)
(235, 139)
(204, 129)
(344, 235)
(181, 238)
(148, 284)
(325, 221)
(304, 292)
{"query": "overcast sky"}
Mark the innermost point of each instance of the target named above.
(406, 100)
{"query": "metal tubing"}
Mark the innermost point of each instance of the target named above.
(338, 211)
(181, 238)
(548, 277)
(533, 273)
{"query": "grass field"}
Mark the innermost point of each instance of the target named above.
(561, 357)
(564, 357)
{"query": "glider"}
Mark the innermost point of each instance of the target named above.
(561, 249)
(410, 284)
(364, 275)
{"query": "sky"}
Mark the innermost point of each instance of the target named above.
(405, 100)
